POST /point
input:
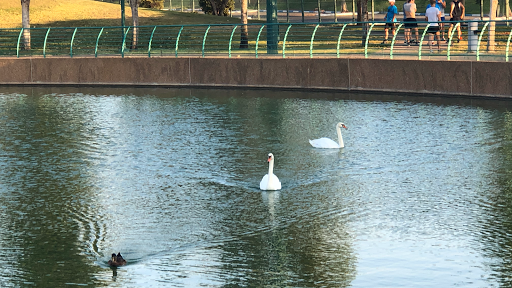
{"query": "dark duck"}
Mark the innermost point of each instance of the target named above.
(116, 260)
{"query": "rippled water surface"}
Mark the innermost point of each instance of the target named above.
(419, 197)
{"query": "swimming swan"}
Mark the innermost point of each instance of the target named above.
(328, 143)
(270, 181)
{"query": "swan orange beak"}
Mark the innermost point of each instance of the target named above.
(269, 158)
(344, 126)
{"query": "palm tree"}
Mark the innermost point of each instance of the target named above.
(244, 37)
(134, 4)
(25, 22)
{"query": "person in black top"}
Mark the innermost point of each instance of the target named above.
(457, 11)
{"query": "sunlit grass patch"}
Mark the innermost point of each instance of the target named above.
(90, 13)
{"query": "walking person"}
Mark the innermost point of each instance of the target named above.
(457, 11)
(390, 20)
(410, 22)
(441, 4)
(433, 16)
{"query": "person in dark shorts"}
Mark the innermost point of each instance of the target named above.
(457, 11)
(433, 16)
(410, 22)
(390, 20)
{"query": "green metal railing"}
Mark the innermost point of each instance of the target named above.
(334, 40)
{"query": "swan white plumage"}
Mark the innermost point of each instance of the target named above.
(328, 143)
(270, 181)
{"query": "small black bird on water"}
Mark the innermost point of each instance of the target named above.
(116, 260)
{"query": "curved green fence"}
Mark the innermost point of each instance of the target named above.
(283, 40)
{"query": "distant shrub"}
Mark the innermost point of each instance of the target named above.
(154, 4)
(206, 6)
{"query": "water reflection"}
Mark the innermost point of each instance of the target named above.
(169, 178)
(44, 178)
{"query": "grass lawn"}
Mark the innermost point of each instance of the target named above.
(90, 13)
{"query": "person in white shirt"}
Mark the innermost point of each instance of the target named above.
(433, 17)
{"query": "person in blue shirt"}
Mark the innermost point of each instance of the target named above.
(390, 20)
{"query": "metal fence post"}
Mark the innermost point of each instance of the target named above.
(368, 38)
(151, 41)
(508, 45)
(284, 39)
(479, 40)
(204, 39)
(302, 8)
(258, 40)
(353, 11)
(97, 41)
(339, 39)
(18, 45)
(393, 41)
(335, 16)
(124, 42)
(71, 44)
(311, 44)
(44, 43)
(421, 41)
(287, 11)
(319, 12)
(230, 39)
(450, 40)
(177, 41)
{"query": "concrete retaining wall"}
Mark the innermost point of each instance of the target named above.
(439, 77)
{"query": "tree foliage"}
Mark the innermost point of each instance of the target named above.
(154, 4)
(217, 7)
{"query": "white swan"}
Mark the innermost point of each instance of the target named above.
(270, 181)
(328, 143)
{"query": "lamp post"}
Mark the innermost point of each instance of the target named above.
(272, 27)
(122, 14)
(353, 11)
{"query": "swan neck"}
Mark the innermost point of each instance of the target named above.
(270, 167)
(340, 138)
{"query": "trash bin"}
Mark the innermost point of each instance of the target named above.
(472, 36)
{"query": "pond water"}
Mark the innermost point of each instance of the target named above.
(421, 195)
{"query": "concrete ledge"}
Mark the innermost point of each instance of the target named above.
(109, 70)
(15, 70)
(400, 76)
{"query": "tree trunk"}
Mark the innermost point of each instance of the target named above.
(362, 10)
(222, 7)
(25, 22)
(134, 4)
(344, 6)
(492, 24)
(244, 36)
(362, 16)
(214, 7)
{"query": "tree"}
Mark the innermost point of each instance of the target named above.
(217, 7)
(492, 25)
(362, 16)
(134, 4)
(244, 34)
(25, 22)
(362, 10)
